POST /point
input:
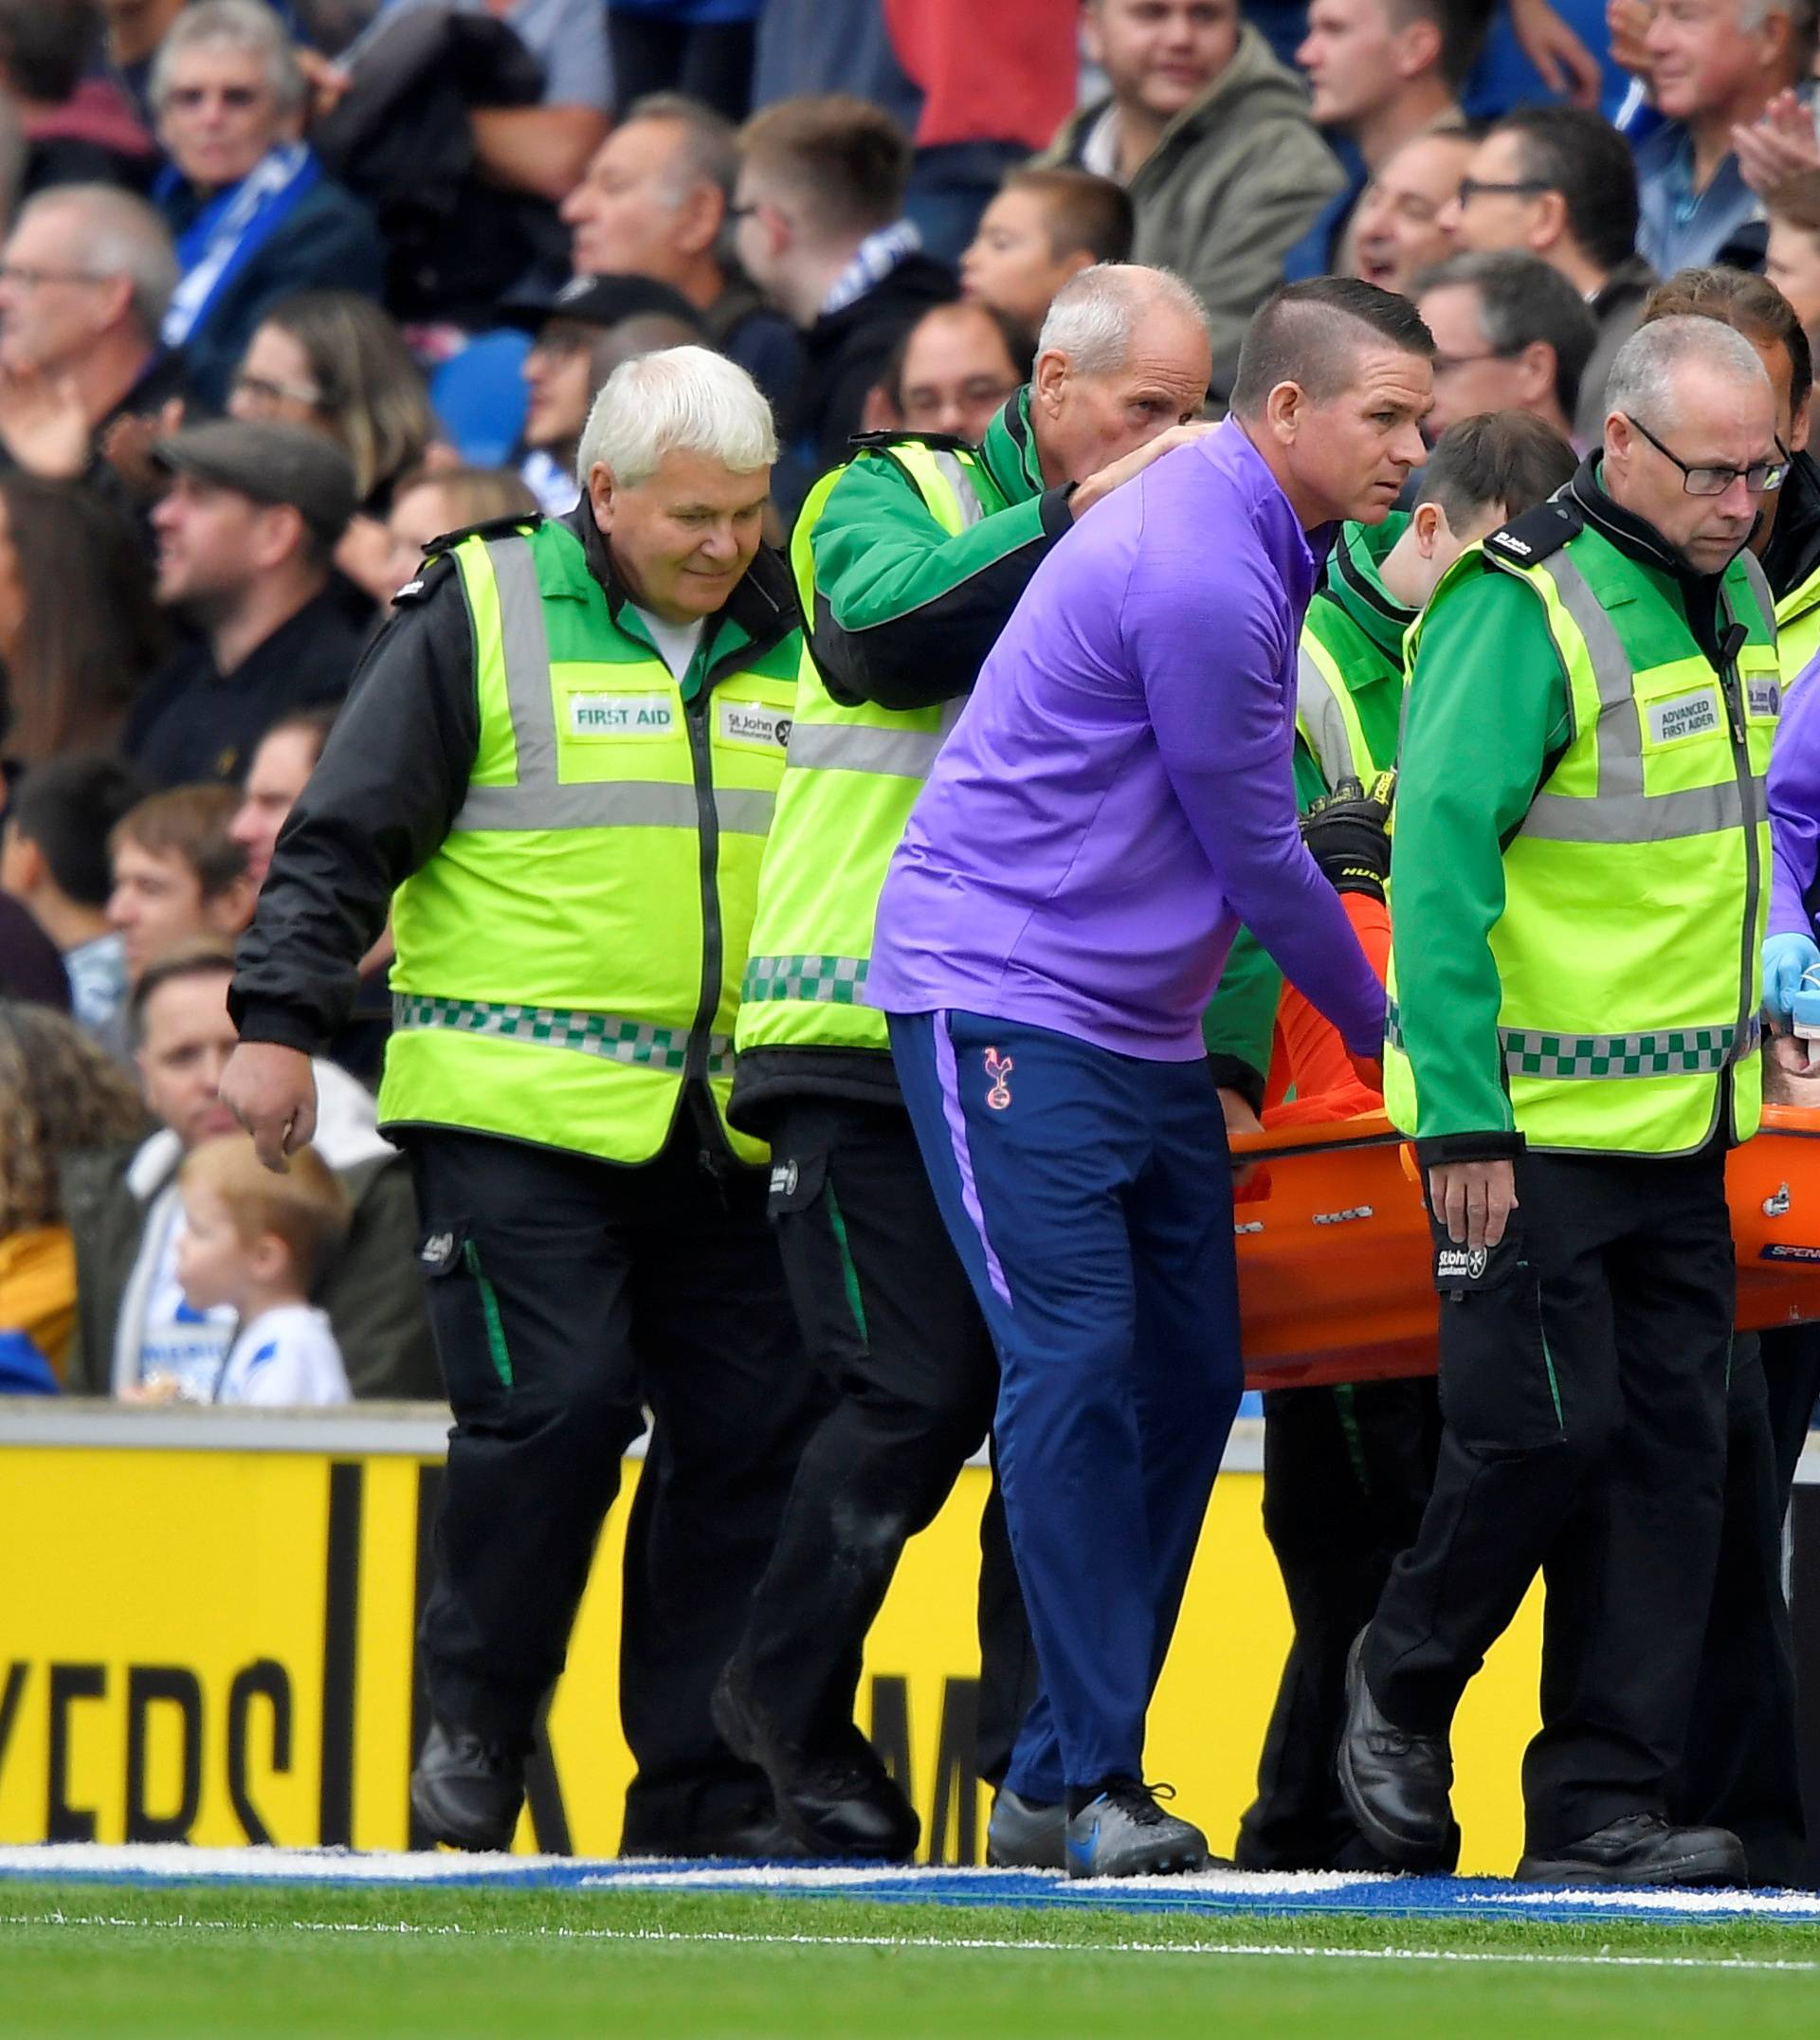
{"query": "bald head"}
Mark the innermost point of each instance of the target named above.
(1123, 355)
(1316, 335)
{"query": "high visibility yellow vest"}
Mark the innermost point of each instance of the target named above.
(1636, 886)
(1797, 629)
(572, 953)
(1327, 717)
(853, 776)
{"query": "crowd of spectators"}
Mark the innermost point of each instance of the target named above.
(288, 290)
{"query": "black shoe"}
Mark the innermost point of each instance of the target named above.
(1642, 1848)
(466, 1791)
(1395, 1784)
(832, 1803)
(750, 1834)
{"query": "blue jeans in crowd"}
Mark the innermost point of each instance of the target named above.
(1090, 1198)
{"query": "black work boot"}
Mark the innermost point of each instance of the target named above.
(467, 1791)
(1395, 1783)
(837, 1802)
(1642, 1848)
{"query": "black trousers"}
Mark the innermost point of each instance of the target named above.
(886, 1312)
(567, 1295)
(1582, 1384)
(1743, 1765)
(1346, 1476)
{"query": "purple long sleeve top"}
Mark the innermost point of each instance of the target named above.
(1117, 795)
(1795, 807)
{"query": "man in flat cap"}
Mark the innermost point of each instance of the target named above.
(245, 536)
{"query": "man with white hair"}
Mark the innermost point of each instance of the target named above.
(910, 560)
(85, 275)
(254, 215)
(1117, 796)
(558, 769)
(1581, 873)
(1714, 65)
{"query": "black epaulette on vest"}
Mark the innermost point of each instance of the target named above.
(1536, 533)
(493, 527)
(936, 442)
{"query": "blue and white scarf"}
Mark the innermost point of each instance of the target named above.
(231, 229)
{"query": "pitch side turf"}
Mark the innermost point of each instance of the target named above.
(303, 1947)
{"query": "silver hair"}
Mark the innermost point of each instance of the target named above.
(680, 400)
(1642, 382)
(248, 25)
(114, 234)
(1752, 14)
(1095, 315)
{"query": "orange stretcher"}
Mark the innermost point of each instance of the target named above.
(1335, 1268)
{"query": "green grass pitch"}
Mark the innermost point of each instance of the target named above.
(124, 1960)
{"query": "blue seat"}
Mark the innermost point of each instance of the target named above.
(479, 397)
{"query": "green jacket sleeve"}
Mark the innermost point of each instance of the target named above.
(905, 612)
(1488, 707)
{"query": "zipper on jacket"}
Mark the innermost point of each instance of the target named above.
(1736, 637)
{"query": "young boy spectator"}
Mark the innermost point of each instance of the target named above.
(54, 862)
(179, 874)
(1044, 226)
(258, 1244)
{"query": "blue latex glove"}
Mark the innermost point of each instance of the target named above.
(1786, 958)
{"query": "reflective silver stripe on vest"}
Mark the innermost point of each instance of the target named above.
(541, 800)
(1621, 811)
(614, 804)
(1326, 728)
(854, 747)
(1691, 1051)
(555, 1026)
(958, 479)
(1759, 586)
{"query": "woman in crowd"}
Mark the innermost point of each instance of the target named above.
(79, 630)
(333, 362)
(59, 1092)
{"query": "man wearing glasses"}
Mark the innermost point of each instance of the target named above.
(1580, 871)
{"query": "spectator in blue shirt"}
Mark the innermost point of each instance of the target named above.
(1715, 66)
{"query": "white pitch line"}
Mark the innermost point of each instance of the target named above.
(663, 1936)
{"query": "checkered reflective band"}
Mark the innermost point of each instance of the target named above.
(824, 980)
(554, 1027)
(1675, 1052)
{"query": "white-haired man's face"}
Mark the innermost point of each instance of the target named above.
(1717, 424)
(52, 312)
(1087, 422)
(1704, 60)
(682, 539)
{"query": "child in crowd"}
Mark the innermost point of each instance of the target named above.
(257, 1243)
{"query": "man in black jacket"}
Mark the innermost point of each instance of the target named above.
(821, 232)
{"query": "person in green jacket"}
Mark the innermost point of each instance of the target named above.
(1580, 885)
(1347, 1469)
(909, 561)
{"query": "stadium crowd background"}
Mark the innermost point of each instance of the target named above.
(287, 291)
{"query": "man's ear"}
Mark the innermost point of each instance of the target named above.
(1537, 368)
(600, 494)
(1285, 411)
(1551, 221)
(1418, 47)
(1049, 378)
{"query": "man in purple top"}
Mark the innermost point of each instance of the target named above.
(1116, 797)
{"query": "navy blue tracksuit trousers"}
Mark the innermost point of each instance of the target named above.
(1090, 1198)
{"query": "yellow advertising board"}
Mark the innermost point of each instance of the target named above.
(216, 1646)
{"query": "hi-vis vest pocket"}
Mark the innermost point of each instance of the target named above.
(595, 718)
(753, 725)
(1678, 717)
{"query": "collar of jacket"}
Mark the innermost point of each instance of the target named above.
(763, 606)
(1633, 278)
(1253, 69)
(1354, 583)
(1636, 538)
(1009, 451)
(1792, 556)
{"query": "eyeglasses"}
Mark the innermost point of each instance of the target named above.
(263, 391)
(234, 99)
(1472, 188)
(26, 277)
(1762, 478)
